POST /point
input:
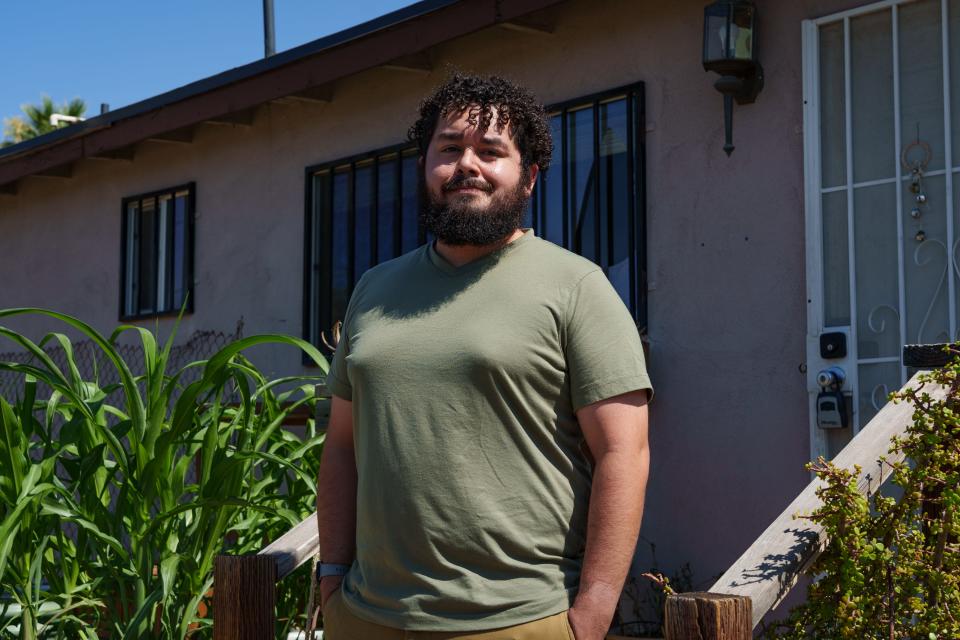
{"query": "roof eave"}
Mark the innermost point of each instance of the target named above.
(401, 33)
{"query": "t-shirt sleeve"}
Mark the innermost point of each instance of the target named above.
(338, 383)
(338, 379)
(602, 345)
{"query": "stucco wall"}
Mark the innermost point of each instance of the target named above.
(726, 241)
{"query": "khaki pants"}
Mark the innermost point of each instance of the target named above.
(340, 624)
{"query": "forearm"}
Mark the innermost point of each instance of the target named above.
(337, 504)
(616, 509)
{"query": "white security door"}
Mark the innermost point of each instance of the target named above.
(882, 164)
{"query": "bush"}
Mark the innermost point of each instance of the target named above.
(115, 499)
(892, 566)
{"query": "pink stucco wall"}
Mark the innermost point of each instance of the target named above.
(726, 240)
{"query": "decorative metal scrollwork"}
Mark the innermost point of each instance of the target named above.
(875, 313)
(949, 260)
(878, 400)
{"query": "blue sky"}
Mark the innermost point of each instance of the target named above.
(123, 51)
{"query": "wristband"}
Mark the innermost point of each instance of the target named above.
(326, 569)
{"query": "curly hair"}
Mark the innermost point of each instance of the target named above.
(516, 108)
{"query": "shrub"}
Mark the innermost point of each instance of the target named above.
(892, 566)
(115, 499)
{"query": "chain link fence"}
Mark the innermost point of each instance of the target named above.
(93, 365)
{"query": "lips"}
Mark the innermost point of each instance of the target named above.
(468, 184)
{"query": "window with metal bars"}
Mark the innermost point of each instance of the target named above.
(592, 200)
(157, 253)
(363, 210)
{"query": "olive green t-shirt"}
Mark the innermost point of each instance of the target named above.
(472, 486)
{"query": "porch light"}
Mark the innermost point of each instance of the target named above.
(730, 49)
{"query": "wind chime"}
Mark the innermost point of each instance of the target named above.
(916, 166)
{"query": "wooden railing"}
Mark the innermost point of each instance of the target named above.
(245, 586)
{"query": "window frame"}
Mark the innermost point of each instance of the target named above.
(318, 268)
(188, 258)
(636, 167)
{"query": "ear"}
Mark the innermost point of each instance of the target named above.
(532, 174)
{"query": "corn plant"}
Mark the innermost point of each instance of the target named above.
(116, 498)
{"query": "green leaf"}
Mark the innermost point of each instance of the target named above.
(168, 572)
(10, 524)
(71, 515)
(220, 359)
(12, 445)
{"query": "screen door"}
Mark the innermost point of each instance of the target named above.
(881, 123)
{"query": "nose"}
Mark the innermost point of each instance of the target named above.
(467, 164)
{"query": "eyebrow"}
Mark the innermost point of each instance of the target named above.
(495, 141)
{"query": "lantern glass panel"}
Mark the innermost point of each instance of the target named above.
(716, 19)
(741, 34)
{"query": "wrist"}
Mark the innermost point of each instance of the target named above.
(331, 569)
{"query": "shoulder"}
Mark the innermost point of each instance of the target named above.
(382, 281)
(560, 265)
(392, 272)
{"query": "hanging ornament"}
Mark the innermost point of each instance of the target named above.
(915, 157)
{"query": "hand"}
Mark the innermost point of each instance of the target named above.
(328, 586)
(588, 621)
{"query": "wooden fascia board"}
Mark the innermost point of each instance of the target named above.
(404, 39)
(36, 163)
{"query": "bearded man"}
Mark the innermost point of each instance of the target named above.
(486, 458)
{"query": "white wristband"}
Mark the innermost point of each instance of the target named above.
(325, 569)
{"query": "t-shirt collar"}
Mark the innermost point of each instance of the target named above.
(441, 263)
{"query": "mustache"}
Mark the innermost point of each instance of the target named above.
(472, 183)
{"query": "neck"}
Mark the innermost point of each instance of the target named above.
(459, 255)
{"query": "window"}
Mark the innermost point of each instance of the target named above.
(157, 254)
(592, 200)
(362, 211)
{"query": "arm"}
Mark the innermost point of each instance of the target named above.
(337, 494)
(616, 433)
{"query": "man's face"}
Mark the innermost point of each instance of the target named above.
(475, 188)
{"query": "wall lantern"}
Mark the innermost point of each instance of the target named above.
(730, 49)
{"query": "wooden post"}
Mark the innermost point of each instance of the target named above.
(244, 597)
(708, 616)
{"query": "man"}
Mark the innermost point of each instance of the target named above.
(486, 459)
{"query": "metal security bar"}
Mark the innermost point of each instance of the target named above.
(589, 225)
(870, 375)
(157, 283)
(327, 216)
(334, 235)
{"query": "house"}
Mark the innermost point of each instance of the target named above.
(826, 239)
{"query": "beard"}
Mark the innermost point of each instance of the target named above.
(461, 223)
